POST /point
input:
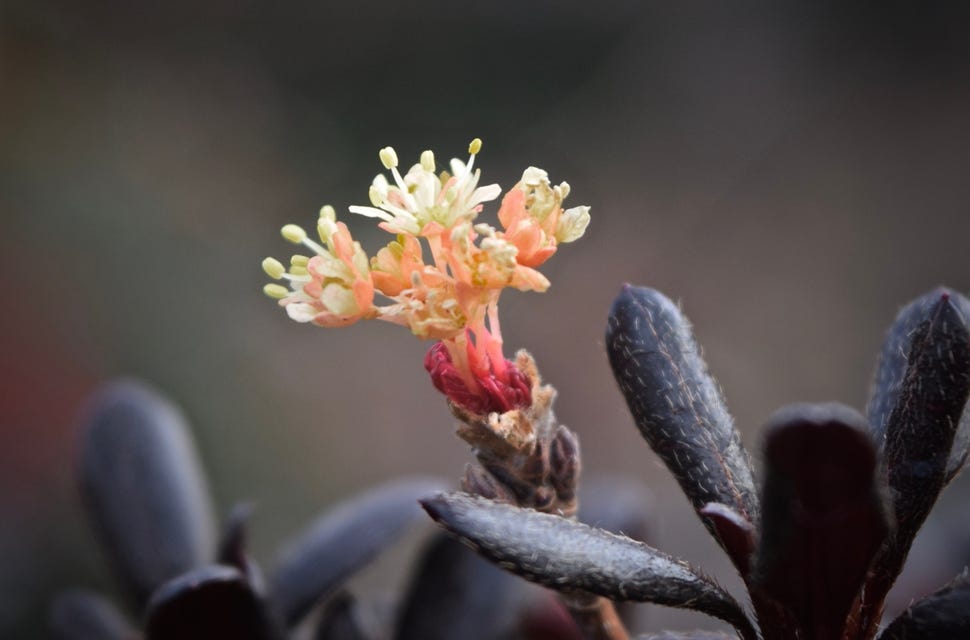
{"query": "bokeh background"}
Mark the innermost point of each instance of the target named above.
(793, 172)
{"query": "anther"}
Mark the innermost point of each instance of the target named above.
(388, 157)
(375, 196)
(293, 233)
(273, 268)
(276, 291)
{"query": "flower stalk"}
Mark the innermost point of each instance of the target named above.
(441, 276)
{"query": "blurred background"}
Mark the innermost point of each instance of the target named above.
(792, 172)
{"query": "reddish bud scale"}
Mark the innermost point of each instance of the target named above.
(491, 393)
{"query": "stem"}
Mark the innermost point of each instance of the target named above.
(494, 344)
(516, 459)
(434, 243)
(458, 350)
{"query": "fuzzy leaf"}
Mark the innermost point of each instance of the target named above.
(569, 556)
(342, 541)
(925, 351)
(144, 487)
(961, 444)
(211, 602)
(945, 615)
(676, 403)
(82, 615)
(737, 535)
(961, 439)
(623, 506)
(918, 406)
(456, 594)
(822, 516)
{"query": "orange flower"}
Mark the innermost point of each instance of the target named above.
(451, 296)
(331, 289)
(534, 220)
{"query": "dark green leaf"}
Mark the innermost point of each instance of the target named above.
(675, 402)
(342, 541)
(211, 602)
(144, 487)
(456, 594)
(232, 546)
(945, 615)
(737, 535)
(822, 515)
(82, 615)
(339, 620)
(917, 406)
(569, 556)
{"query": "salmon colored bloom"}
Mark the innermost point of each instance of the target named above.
(534, 220)
(333, 288)
(442, 274)
(421, 197)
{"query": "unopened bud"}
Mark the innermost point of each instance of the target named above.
(490, 395)
(481, 483)
(543, 498)
(564, 463)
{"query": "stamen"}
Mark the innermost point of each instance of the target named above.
(473, 148)
(409, 203)
(388, 157)
(276, 291)
(375, 196)
(293, 233)
(273, 268)
(454, 291)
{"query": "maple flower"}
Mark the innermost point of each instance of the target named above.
(534, 220)
(334, 287)
(442, 274)
(421, 198)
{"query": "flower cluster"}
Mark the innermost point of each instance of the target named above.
(442, 274)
